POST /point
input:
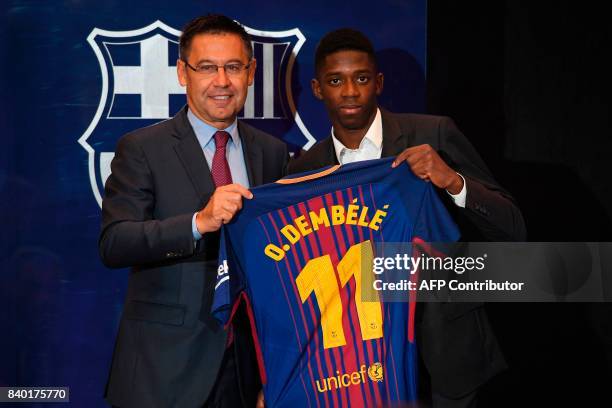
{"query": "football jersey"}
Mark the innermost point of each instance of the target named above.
(294, 254)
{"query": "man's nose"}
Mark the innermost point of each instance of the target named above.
(221, 79)
(350, 89)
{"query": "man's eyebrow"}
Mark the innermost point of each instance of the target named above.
(332, 73)
(359, 71)
(209, 61)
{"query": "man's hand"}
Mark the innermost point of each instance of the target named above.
(260, 400)
(225, 202)
(427, 164)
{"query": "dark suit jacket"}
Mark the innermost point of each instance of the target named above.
(169, 349)
(456, 342)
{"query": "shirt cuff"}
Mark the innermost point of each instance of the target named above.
(194, 228)
(459, 198)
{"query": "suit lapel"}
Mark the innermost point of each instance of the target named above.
(327, 155)
(253, 155)
(191, 155)
(394, 139)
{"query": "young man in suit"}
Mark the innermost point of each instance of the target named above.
(456, 342)
(173, 185)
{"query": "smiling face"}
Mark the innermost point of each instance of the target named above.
(216, 99)
(348, 83)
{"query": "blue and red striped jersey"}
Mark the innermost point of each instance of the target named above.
(294, 254)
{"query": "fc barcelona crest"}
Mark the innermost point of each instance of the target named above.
(140, 87)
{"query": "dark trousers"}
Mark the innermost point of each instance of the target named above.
(468, 401)
(226, 392)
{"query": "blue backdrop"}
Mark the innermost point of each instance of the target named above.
(76, 75)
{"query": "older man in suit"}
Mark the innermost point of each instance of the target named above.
(173, 185)
(456, 342)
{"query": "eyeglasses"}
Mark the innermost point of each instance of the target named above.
(231, 68)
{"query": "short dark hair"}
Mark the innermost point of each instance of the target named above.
(343, 39)
(212, 24)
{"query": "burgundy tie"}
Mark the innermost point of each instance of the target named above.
(220, 169)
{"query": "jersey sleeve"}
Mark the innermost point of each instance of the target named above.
(229, 282)
(434, 223)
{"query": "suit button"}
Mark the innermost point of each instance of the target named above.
(481, 209)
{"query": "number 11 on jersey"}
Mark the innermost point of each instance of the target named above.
(318, 276)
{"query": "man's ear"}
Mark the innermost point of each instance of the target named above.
(180, 72)
(315, 85)
(252, 68)
(380, 79)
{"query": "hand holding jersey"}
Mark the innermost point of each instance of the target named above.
(225, 202)
(427, 164)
